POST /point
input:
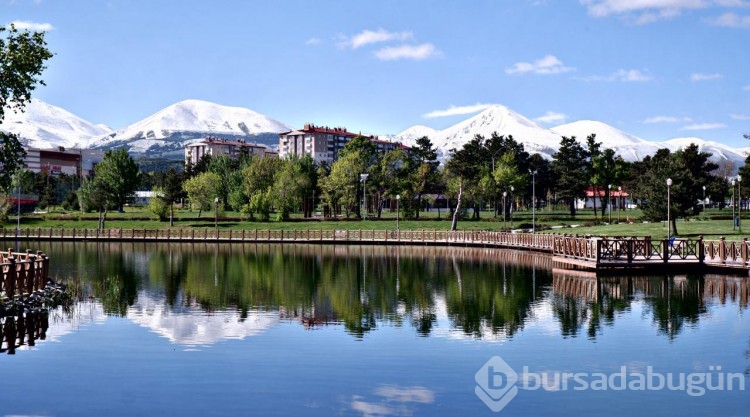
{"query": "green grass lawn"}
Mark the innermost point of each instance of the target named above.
(713, 224)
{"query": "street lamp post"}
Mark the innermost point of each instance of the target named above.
(619, 202)
(734, 203)
(511, 206)
(533, 202)
(363, 178)
(669, 225)
(398, 213)
(505, 194)
(739, 206)
(609, 202)
(18, 219)
(216, 213)
(704, 200)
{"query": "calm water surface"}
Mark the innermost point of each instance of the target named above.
(197, 330)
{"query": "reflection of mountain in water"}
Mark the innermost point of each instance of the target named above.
(199, 294)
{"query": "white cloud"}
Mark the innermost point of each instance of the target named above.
(457, 111)
(621, 75)
(746, 88)
(416, 52)
(697, 76)
(552, 117)
(312, 42)
(740, 116)
(33, 26)
(648, 11)
(704, 126)
(631, 75)
(732, 20)
(666, 119)
(547, 65)
(368, 37)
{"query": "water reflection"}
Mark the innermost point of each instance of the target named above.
(198, 294)
(22, 330)
(392, 400)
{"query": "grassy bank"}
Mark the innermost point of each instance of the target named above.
(714, 223)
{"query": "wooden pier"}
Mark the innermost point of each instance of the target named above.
(22, 273)
(571, 252)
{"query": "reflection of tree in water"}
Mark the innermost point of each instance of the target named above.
(581, 299)
(489, 297)
(675, 302)
(484, 293)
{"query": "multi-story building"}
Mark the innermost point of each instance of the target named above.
(59, 160)
(217, 146)
(323, 143)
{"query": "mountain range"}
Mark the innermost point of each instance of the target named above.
(166, 132)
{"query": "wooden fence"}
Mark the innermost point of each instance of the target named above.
(22, 272)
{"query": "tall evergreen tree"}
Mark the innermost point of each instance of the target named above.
(569, 164)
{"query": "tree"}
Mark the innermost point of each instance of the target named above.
(171, 191)
(120, 174)
(463, 167)
(289, 188)
(202, 190)
(689, 169)
(341, 186)
(22, 58)
(424, 176)
(569, 164)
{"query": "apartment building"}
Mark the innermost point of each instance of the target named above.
(218, 146)
(324, 143)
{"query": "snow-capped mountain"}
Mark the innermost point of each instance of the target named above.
(537, 139)
(631, 148)
(496, 118)
(45, 126)
(166, 132)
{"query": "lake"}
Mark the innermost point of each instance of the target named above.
(203, 329)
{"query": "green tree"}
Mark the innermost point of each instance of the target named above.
(569, 164)
(462, 168)
(689, 169)
(22, 59)
(341, 186)
(202, 190)
(120, 174)
(171, 191)
(424, 177)
(289, 188)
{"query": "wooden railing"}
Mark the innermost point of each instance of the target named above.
(438, 237)
(598, 250)
(22, 272)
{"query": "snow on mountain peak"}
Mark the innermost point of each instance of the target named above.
(201, 116)
(42, 125)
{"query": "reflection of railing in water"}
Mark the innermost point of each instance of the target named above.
(24, 329)
(588, 286)
(461, 253)
(720, 286)
(22, 272)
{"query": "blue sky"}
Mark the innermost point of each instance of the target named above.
(658, 69)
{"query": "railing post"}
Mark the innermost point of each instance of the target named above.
(631, 249)
(598, 251)
(722, 250)
(665, 249)
(743, 251)
(11, 277)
